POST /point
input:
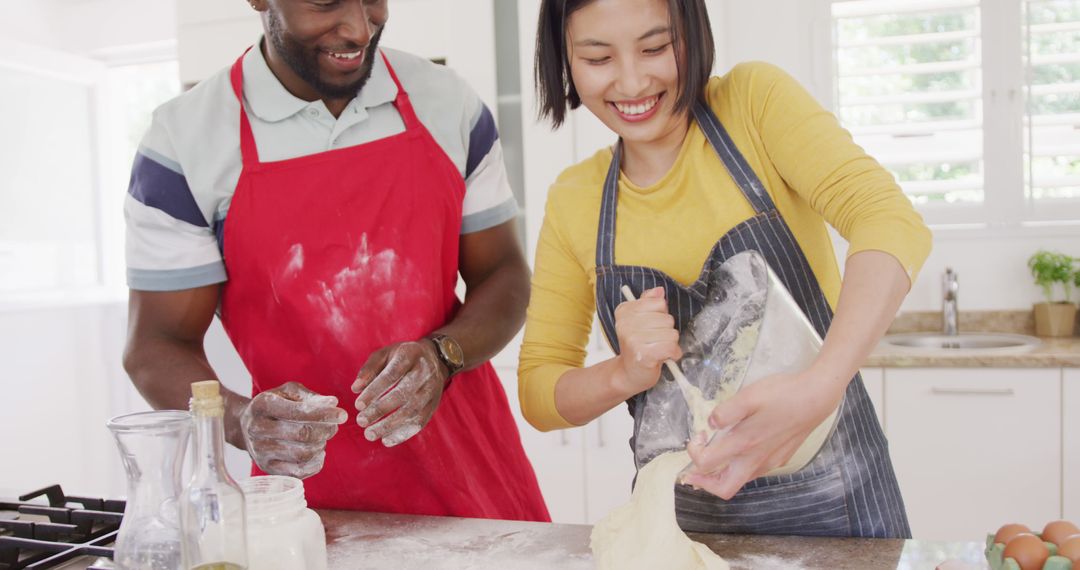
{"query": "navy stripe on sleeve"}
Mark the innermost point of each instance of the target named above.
(165, 189)
(481, 139)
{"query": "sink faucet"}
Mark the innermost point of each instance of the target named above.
(950, 313)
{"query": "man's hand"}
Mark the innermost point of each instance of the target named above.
(286, 429)
(768, 421)
(400, 387)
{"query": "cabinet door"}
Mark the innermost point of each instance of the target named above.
(557, 458)
(609, 463)
(975, 448)
(1071, 447)
(874, 379)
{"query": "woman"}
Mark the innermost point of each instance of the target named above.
(747, 161)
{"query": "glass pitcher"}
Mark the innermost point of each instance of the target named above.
(152, 447)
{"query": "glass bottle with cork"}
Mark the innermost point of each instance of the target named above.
(212, 506)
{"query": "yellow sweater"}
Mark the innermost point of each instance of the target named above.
(810, 165)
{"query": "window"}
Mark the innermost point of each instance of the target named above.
(1052, 124)
(49, 236)
(973, 105)
(909, 87)
(72, 125)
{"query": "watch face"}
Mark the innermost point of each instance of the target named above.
(452, 350)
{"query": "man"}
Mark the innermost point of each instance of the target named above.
(323, 195)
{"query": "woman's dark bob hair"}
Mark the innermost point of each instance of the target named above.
(690, 31)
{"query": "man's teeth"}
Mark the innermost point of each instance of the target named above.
(352, 55)
(638, 108)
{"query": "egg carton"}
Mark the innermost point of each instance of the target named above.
(995, 555)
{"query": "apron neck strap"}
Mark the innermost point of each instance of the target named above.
(733, 160)
(248, 151)
(605, 235)
(401, 102)
(735, 163)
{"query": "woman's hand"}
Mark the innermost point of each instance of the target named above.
(768, 421)
(647, 337)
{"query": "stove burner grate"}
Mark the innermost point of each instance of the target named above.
(38, 535)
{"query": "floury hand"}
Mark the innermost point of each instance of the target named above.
(400, 387)
(286, 429)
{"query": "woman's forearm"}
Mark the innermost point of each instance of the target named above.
(584, 394)
(874, 286)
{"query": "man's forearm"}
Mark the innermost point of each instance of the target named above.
(163, 372)
(492, 314)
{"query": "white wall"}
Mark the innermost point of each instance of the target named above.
(782, 32)
(82, 28)
(86, 26)
(28, 22)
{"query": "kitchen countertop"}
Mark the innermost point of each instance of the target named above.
(1052, 353)
(358, 540)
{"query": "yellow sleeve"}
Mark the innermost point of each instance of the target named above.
(820, 161)
(557, 324)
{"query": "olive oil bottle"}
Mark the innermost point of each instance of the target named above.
(212, 515)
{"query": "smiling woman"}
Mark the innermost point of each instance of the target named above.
(706, 168)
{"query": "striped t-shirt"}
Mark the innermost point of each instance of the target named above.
(189, 162)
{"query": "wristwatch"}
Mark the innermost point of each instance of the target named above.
(449, 352)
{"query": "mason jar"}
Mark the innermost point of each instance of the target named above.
(282, 533)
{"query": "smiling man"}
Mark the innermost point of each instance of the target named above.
(323, 195)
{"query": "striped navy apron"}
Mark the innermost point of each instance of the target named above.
(849, 489)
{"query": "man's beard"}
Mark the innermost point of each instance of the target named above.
(306, 64)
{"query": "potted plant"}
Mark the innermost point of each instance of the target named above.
(1051, 269)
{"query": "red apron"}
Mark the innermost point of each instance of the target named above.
(335, 255)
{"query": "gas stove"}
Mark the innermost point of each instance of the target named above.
(48, 529)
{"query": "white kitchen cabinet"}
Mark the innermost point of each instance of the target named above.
(584, 472)
(874, 380)
(557, 457)
(1071, 444)
(609, 463)
(559, 462)
(975, 448)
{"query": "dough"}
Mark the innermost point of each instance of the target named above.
(643, 533)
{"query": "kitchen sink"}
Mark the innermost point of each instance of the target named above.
(976, 342)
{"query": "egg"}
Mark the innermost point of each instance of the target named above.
(1028, 551)
(1058, 531)
(1070, 548)
(1005, 533)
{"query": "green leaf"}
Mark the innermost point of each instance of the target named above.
(1049, 268)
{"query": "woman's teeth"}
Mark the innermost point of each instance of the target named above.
(638, 108)
(346, 56)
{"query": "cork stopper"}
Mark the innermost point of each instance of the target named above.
(206, 399)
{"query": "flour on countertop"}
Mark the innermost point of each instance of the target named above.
(459, 544)
(761, 562)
